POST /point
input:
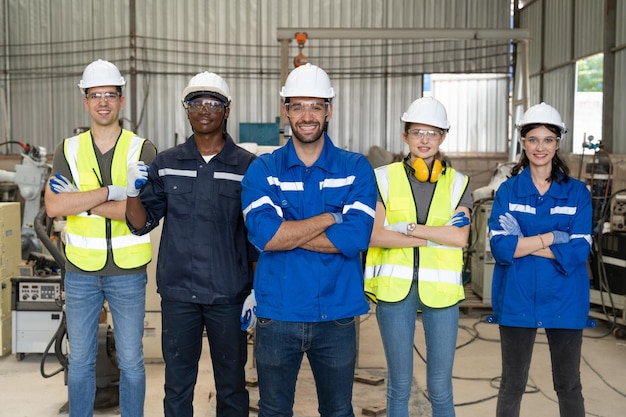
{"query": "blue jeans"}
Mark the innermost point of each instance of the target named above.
(183, 324)
(331, 350)
(397, 328)
(517, 349)
(126, 297)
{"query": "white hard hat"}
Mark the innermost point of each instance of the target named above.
(542, 114)
(101, 73)
(207, 83)
(427, 111)
(308, 81)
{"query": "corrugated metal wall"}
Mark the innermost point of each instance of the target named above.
(47, 44)
(568, 31)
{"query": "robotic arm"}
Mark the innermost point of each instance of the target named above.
(30, 177)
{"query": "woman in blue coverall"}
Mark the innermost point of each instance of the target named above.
(540, 231)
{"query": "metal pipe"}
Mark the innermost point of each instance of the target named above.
(413, 34)
(132, 13)
(284, 71)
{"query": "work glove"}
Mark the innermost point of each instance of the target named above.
(458, 220)
(137, 177)
(510, 225)
(116, 193)
(60, 184)
(560, 237)
(248, 312)
(338, 217)
(399, 227)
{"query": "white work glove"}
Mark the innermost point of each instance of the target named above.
(137, 177)
(458, 220)
(60, 184)
(510, 225)
(399, 227)
(116, 193)
(248, 312)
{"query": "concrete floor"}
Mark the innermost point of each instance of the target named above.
(25, 393)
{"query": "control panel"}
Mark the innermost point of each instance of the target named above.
(36, 294)
(39, 292)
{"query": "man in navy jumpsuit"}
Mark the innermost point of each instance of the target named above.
(204, 269)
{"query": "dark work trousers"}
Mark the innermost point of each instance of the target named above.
(183, 324)
(565, 350)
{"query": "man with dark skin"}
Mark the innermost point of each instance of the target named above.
(204, 269)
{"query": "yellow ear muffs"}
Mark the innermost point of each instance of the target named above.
(423, 173)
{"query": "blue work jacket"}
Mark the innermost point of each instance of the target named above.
(204, 255)
(532, 291)
(301, 285)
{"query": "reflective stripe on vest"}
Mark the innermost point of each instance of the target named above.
(86, 239)
(389, 271)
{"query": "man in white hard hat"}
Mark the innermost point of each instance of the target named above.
(309, 208)
(204, 270)
(105, 261)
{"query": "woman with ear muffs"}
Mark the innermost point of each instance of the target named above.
(415, 258)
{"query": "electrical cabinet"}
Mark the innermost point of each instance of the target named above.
(36, 313)
(10, 258)
(481, 260)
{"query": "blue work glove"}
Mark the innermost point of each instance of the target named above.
(560, 237)
(60, 184)
(399, 227)
(137, 177)
(338, 217)
(116, 193)
(510, 225)
(458, 220)
(248, 312)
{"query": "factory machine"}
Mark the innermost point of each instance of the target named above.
(608, 255)
(608, 264)
(481, 259)
(36, 313)
(30, 177)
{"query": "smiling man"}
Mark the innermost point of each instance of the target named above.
(309, 208)
(105, 261)
(204, 270)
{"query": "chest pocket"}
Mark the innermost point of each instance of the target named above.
(229, 200)
(336, 198)
(230, 189)
(400, 204)
(89, 181)
(180, 194)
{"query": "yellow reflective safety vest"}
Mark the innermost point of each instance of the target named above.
(87, 241)
(389, 271)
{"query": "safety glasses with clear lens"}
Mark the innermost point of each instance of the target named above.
(316, 108)
(425, 134)
(210, 106)
(106, 96)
